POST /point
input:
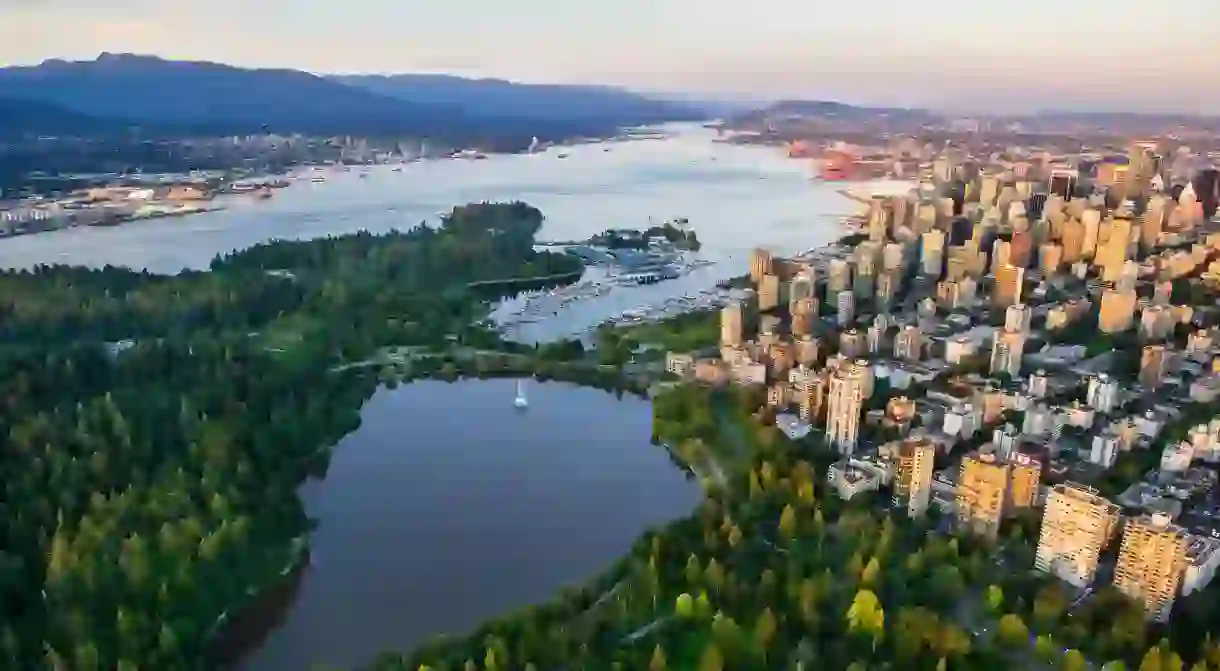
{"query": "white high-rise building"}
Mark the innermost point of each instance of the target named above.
(1076, 527)
(1102, 393)
(845, 405)
(1017, 318)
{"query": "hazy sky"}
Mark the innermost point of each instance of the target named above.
(973, 54)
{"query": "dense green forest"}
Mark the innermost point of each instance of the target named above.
(156, 427)
(774, 571)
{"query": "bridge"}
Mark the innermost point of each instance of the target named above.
(557, 277)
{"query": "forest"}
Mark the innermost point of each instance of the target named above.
(774, 571)
(157, 427)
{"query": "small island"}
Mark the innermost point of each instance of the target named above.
(675, 234)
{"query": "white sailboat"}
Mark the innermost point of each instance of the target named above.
(521, 401)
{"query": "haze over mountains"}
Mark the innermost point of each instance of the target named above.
(119, 90)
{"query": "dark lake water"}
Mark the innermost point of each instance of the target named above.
(449, 506)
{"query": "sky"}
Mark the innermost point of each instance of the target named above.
(968, 55)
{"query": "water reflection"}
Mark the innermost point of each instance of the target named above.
(449, 506)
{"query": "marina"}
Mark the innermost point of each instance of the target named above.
(536, 306)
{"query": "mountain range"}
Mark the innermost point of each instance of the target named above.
(117, 91)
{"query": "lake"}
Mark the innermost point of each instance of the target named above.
(449, 506)
(736, 198)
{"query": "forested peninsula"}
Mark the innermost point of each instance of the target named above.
(157, 427)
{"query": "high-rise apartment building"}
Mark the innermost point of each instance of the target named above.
(1018, 318)
(811, 397)
(1207, 188)
(1007, 289)
(845, 405)
(1076, 527)
(913, 479)
(879, 216)
(932, 253)
(768, 292)
(807, 350)
(1025, 477)
(1063, 182)
(1117, 311)
(982, 487)
(1102, 394)
(1091, 220)
(1001, 254)
(1155, 217)
(1112, 256)
(804, 312)
(1154, 364)
(731, 324)
(1006, 352)
(1050, 258)
(761, 263)
(1073, 241)
(908, 343)
(845, 306)
(800, 288)
(1021, 249)
(1151, 561)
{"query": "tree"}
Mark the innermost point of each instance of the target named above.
(1074, 660)
(727, 634)
(787, 522)
(866, 616)
(685, 606)
(764, 630)
(1046, 648)
(714, 575)
(995, 599)
(1012, 632)
(1049, 606)
(755, 485)
(712, 659)
(868, 577)
(694, 572)
(658, 659)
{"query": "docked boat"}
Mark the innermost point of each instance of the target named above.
(318, 180)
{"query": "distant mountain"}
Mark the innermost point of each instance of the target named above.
(836, 110)
(25, 117)
(535, 101)
(216, 98)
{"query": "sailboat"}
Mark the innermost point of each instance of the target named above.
(521, 401)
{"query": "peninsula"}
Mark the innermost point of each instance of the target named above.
(185, 410)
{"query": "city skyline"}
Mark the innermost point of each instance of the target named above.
(976, 58)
